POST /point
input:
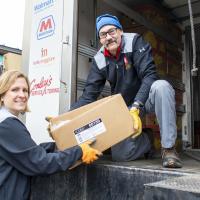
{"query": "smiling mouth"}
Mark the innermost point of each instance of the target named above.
(111, 43)
(21, 103)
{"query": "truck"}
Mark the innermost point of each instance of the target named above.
(58, 46)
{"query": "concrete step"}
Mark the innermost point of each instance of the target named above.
(105, 180)
(183, 188)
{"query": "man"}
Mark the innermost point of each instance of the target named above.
(125, 61)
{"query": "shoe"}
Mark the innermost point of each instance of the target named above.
(151, 152)
(170, 158)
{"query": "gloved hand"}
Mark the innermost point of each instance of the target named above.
(48, 119)
(89, 154)
(137, 123)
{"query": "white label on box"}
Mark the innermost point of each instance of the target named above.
(89, 131)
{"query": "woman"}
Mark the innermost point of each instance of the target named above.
(20, 157)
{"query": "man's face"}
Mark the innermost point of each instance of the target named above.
(110, 38)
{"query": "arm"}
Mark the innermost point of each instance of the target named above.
(20, 151)
(145, 67)
(48, 146)
(94, 86)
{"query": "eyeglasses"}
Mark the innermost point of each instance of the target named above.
(111, 32)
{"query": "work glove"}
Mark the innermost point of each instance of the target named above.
(137, 123)
(89, 154)
(48, 119)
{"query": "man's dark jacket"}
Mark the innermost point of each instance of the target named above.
(131, 74)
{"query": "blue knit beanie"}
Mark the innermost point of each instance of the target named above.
(107, 19)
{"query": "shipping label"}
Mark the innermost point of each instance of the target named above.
(89, 131)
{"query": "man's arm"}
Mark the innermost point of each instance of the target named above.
(94, 86)
(145, 67)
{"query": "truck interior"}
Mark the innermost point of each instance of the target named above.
(166, 24)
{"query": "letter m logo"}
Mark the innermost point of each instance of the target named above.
(46, 27)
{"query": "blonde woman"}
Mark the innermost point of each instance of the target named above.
(20, 156)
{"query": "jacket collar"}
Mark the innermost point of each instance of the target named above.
(4, 114)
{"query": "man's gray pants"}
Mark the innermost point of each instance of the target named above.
(161, 101)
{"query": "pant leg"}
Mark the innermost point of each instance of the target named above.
(162, 101)
(131, 149)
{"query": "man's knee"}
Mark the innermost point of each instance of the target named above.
(130, 149)
(162, 87)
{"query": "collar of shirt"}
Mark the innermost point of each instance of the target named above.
(108, 54)
(4, 114)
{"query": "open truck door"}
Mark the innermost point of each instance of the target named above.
(49, 33)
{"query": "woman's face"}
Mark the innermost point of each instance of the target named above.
(16, 98)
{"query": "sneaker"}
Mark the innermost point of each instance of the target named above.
(151, 152)
(170, 158)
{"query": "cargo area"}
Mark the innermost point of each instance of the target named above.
(167, 26)
(168, 32)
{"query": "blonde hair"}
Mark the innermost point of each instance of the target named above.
(7, 79)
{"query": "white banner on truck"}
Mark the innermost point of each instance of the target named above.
(44, 66)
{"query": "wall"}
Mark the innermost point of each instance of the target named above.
(12, 61)
(188, 124)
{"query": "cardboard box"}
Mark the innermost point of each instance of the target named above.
(107, 120)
